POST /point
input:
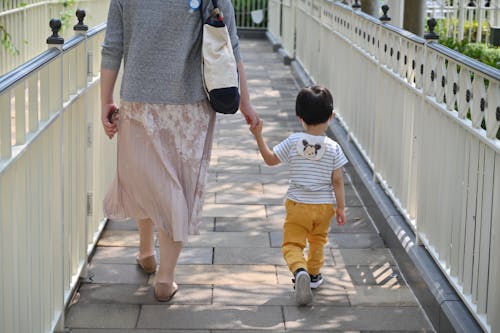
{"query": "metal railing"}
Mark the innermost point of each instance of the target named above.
(26, 24)
(54, 168)
(426, 119)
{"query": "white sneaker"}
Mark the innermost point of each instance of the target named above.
(303, 293)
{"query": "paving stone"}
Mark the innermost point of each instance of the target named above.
(336, 278)
(226, 210)
(354, 241)
(126, 255)
(339, 240)
(224, 274)
(224, 224)
(135, 330)
(94, 293)
(102, 316)
(276, 213)
(229, 239)
(235, 178)
(274, 295)
(354, 318)
(370, 257)
(380, 296)
(248, 331)
(236, 155)
(211, 317)
(239, 256)
(121, 225)
(255, 294)
(385, 275)
(248, 187)
(248, 199)
(116, 273)
(358, 221)
(248, 169)
(119, 238)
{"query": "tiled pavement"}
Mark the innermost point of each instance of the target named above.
(232, 276)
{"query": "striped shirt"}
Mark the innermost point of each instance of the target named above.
(311, 160)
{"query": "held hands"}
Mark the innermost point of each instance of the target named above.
(257, 129)
(248, 111)
(109, 119)
(340, 216)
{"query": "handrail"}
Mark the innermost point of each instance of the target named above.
(20, 73)
(478, 66)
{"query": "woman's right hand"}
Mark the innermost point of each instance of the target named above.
(110, 128)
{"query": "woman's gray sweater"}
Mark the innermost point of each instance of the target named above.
(160, 43)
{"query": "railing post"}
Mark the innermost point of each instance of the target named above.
(385, 18)
(431, 35)
(56, 102)
(83, 73)
(80, 27)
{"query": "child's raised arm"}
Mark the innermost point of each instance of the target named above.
(338, 188)
(267, 154)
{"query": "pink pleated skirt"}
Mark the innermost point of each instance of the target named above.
(163, 156)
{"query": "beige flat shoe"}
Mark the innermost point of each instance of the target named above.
(165, 291)
(147, 264)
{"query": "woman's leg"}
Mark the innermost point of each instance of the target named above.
(146, 238)
(169, 254)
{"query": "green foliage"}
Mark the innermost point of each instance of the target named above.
(479, 51)
(6, 41)
(449, 26)
(67, 15)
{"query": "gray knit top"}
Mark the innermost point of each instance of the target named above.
(160, 44)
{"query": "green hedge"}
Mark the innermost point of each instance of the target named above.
(479, 51)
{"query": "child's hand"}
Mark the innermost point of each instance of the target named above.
(340, 215)
(257, 129)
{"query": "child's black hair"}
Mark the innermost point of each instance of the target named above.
(314, 105)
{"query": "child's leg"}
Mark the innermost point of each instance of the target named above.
(318, 237)
(297, 226)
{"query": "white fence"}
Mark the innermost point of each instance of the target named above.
(54, 169)
(27, 24)
(426, 120)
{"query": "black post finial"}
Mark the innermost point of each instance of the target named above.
(471, 3)
(431, 35)
(356, 4)
(55, 25)
(80, 26)
(385, 17)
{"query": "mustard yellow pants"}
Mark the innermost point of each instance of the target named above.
(306, 222)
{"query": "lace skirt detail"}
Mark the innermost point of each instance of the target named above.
(163, 157)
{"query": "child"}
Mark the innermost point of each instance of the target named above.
(315, 163)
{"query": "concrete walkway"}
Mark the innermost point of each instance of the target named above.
(232, 276)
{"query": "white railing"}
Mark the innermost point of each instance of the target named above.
(426, 119)
(54, 169)
(27, 26)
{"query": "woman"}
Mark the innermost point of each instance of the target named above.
(165, 122)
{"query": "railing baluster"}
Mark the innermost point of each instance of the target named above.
(5, 127)
(20, 113)
(33, 117)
